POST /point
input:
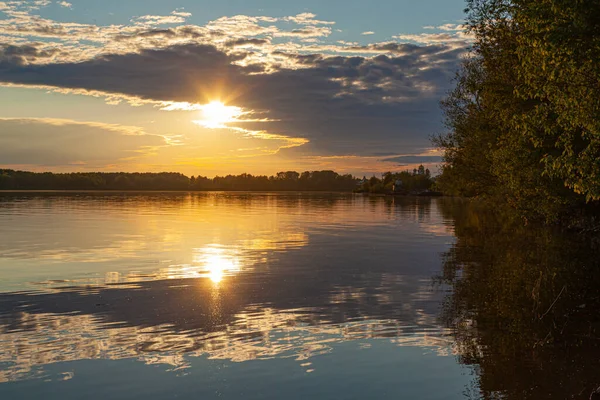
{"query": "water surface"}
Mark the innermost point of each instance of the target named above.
(268, 296)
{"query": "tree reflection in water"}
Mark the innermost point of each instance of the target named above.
(525, 305)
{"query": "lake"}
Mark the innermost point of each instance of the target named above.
(290, 295)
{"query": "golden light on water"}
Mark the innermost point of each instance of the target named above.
(211, 262)
(216, 115)
(218, 266)
(215, 263)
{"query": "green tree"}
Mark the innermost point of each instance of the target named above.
(508, 135)
(559, 73)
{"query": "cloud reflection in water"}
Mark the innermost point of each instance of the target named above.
(229, 277)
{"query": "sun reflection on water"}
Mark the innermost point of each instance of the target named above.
(216, 263)
(218, 266)
(212, 262)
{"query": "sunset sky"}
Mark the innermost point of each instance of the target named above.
(225, 86)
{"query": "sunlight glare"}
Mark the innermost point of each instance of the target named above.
(218, 266)
(216, 115)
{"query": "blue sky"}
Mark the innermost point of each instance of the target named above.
(388, 17)
(207, 87)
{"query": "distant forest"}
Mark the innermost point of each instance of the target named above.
(415, 182)
(283, 181)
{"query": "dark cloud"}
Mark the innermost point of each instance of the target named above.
(383, 153)
(247, 42)
(409, 48)
(415, 159)
(343, 104)
(180, 33)
(19, 55)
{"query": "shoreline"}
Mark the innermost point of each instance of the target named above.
(165, 191)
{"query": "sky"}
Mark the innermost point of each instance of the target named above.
(225, 87)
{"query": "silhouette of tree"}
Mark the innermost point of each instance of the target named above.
(283, 181)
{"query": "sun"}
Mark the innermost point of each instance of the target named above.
(216, 115)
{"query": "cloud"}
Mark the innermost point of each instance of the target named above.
(307, 19)
(177, 73)
(452, 34)
(64, 4)
(368, 33)
(57, 142)
(253, 42)
(448, 27)
(307, 32)
(340, 103)
(462, 39)
(317, 98)
(243, 26)
(418, 159)
(25, 54)
(181, 13)
(176, 17)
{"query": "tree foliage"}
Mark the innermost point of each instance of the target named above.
(524, 118)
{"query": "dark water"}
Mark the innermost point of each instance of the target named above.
(295, 296)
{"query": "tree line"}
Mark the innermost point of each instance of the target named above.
(282, 181)
(523, 121)
(416, 181)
